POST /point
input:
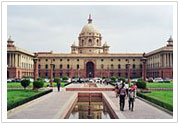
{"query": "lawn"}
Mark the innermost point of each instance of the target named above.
(14, 96)
(159, 85)
(18, 85)
(165, 96)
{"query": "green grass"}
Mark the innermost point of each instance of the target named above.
(159, 85)
(14, 96)
(18, 85)
(164, 96)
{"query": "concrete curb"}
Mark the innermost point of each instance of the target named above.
(157, 106)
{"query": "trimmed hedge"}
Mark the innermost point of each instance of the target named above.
(66, 84)
(141, 84)
(28, 99)
(156, 101)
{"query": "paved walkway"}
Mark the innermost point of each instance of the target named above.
(53, 104)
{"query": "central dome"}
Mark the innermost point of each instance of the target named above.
(89, 28)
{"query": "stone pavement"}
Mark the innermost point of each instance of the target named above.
(142, 110)
(52, 105)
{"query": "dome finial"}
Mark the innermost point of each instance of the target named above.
(89, 19)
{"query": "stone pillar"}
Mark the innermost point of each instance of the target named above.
(12, 64)
(144, 69)
(10, 60)
(51, 74)
(164, 59)
(35, 69)
(128, 65)
(15, 60)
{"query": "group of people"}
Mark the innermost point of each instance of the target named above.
(124, 91)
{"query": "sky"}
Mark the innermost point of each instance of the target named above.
(125, 28)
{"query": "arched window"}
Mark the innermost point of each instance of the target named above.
(134, 66)
(97, 42)
(90, 42)
(82, 42)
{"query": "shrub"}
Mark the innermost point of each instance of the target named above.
(25, 83)
(122, 79)
(113, 79)
(65, 78)
(56, 79)
(38, 84)
(141, 84)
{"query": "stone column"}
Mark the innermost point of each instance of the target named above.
(15, 60)
(128, 66)
(10, 61)
(164, 59)
(144, 69)
(12, 55)
(51, 74)
(35, 69)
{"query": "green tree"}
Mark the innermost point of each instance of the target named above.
(25, 83)
(65, 78)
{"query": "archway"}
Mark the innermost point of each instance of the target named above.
(90, 70)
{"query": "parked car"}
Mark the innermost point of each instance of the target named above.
(167, 80)
(160, 80)
(134, 80)
(47, 80)
(9, 80)
(150, 79)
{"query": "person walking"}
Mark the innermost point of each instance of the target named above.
(131, 97)
(58, 86)
(122, 91)
(117, 90)
(127, 87)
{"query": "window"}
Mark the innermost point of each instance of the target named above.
(119, 59)
(46, 74)
(60, 59)
(102, 66)
(134, 66)
(78, 60)
(141, 66)
(111, 59)
(119, 66)
(68, 66)
(39, 66)
(53, 59)
(39, 60)
(68, 60)
(53, 67)
(133, 59)
(126, 66)
(126, 60)
(119, 74)
(46, 66)
(112, 74)
(61, 66)
(112, 66)
(46, 60)
(97, 42)
(102, 60)
(90, 42)
(78, 66)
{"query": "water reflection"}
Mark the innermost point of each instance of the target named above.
(93, 110)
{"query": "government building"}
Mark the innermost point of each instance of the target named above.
(90, 58)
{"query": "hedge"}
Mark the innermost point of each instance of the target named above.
(28, 99)
(156, 101)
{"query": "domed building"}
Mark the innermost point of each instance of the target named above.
(91, 58)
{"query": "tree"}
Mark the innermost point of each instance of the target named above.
(25, 83)
(65, 78)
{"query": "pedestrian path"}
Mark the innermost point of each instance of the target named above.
(142, 110)
(52, 106)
